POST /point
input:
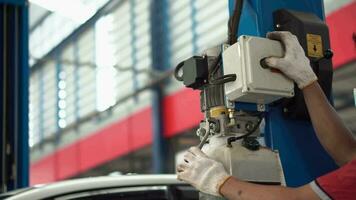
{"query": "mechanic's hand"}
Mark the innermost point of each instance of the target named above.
(203, 173)
(294, 64)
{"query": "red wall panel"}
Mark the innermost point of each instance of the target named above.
(43, 171)
(67, 161)
(116, 140)
(181, 111)
(342, 26)
(92, 151)
(111, 142)
(141, 129)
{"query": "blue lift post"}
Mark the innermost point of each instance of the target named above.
(14, 73)
(303, 158)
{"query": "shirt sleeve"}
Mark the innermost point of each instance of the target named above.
(339, 184)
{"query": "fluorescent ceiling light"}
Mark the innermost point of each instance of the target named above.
(71, 9)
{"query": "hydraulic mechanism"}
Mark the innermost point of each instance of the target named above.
(229, 135)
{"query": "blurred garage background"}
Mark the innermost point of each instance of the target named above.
(102, 98)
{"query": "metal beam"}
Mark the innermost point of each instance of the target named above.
(104, 10)
(160, 60)
(134, 47)
(40, 21)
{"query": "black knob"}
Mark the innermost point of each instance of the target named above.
(251, 143)
(328, 54)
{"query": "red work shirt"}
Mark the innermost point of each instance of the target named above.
(337, 185)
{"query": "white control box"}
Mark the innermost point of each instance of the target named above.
(255, 84)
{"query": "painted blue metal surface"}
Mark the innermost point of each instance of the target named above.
(14, 93)
(23, 138)
(248, 106)
(11, 102)
(2, 95)
(302, 156)
(160, 62)
(14, 2)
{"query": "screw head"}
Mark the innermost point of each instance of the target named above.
(249, 126)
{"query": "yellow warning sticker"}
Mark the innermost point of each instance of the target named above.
(315, 46)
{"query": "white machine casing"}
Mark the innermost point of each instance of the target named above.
(262, 166)
(254, 84)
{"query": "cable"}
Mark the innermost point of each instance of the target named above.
(222, 79)
(233, 25)
(234, 21)
(233, 28)
(216, 65)
(176, 71)
(234, 139)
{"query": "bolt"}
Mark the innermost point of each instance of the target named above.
(261, 107)
(201, 132)
(249, 126)
(212, 126)
(230, 103)
(285, 110)
(278, 26)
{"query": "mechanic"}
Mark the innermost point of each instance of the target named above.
(209, 176)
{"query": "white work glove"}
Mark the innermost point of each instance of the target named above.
(203, 173)
(294, 64)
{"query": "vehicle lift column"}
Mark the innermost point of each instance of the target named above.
(302, 156)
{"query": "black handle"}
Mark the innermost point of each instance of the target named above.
(264, 64)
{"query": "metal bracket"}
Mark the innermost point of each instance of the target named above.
(261, 107)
